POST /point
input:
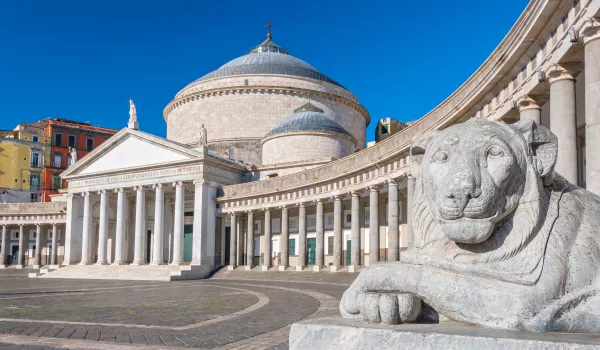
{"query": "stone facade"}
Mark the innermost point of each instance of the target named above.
(299, 147)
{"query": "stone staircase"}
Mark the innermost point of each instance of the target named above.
(125, 272)
(342, 276)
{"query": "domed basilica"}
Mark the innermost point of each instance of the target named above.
(271, 110)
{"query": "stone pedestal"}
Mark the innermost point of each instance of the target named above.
(247, 268)
(264, 268)
(352, 268)
(316, 268)
(339, 333)
(230, 268)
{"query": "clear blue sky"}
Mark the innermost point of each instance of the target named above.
(82, 60)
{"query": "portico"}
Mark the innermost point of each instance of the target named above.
(134, 199)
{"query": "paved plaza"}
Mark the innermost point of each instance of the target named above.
(233, 310)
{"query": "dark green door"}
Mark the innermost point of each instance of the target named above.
(348, 252)
(188, 234)
(148, 245)
(15, 255)
(311, 251)
(227, 243)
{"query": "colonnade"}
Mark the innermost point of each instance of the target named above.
(23, 243)
(561, 78)
(139, 232)
(393, 248)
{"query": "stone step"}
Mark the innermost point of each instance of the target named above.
(129, 272)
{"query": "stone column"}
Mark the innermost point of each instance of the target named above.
(73, 234)
(233, 243)
(159, 225)
(37, 253)
(4, 248)
(120, 227)
(250, 242)
(203, 248)
(178, 223)
(338, 236)
(268, 242)
(591, 34)
(410, 190)
(54, 255)
(563, 121)
(373, 225)
(301, 238)
(86, 239)
(393, 222)
(320, 233)
(529, 109)
(355, 235)
(103, 228)
(140, 226)
(22, 247)
(284, 240)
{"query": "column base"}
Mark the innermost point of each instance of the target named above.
(19, 266)
(281, 268)
(317, 268)
(230, 268)
(138, 263)
(299, 268)
(101, 263)
(334, 268)
(3, 266)
(84, 263)
(353, 268)
(54, 267)
(37, 266)
(118, 263)
(157, 263)
(176, 263)
(247, 268)
(264, 268)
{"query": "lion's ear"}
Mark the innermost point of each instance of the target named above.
(543, 146)
(418, 146)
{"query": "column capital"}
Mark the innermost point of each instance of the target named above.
(267, 209)
(374, 188)
(139, 188)
(118, 190)
(338, 197)
(102, 192)
(200, 182)
(558, 72)
(527, 102)
(355, 193)
(233, 213)
(69, 195)
(85, 194)
(249, 212)
(177, 184)
(301, 204)
(392, 182)
(318, 200)
(590, 31)
(158, 186)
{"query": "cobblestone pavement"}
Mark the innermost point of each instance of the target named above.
(226, 312)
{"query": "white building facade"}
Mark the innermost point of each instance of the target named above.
(283, 179)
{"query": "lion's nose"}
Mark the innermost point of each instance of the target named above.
(461, 189)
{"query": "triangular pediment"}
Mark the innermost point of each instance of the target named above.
(130, 149)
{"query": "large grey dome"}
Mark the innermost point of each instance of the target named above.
(308, 118)
(268, 58)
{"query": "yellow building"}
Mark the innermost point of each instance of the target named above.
(24, 152)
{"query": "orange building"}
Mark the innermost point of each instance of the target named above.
(65, 134)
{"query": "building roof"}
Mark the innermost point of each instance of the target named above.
(308, 118)
(267, 58)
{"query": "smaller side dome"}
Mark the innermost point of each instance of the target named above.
(308, 118)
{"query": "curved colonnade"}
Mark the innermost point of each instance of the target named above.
(543, 69)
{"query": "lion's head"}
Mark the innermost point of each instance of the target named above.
(471, 177)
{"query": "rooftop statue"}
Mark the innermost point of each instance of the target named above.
(501, 240)
(73, 153)
(203, 138)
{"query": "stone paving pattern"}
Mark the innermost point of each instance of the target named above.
(121, 312)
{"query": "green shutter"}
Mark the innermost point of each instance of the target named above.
(292, 246)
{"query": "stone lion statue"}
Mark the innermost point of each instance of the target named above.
(501, 240)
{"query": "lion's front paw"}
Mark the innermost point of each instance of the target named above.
(389, 308)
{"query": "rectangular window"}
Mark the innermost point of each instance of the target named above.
(311, 222)
(257, 224)
(57, 160)
(89, 144)
(58, 140)
(72, 141)
(56, 182)
(367, 216)
(276, 225)
(34, 182)
(36, 139)
(292, 246)
(329, 220)
(330, 245)
(33, 197)
(35, 159)
(293, 224)
(385, 129)
(347, 218)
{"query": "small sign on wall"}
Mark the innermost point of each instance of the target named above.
(188, 220)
